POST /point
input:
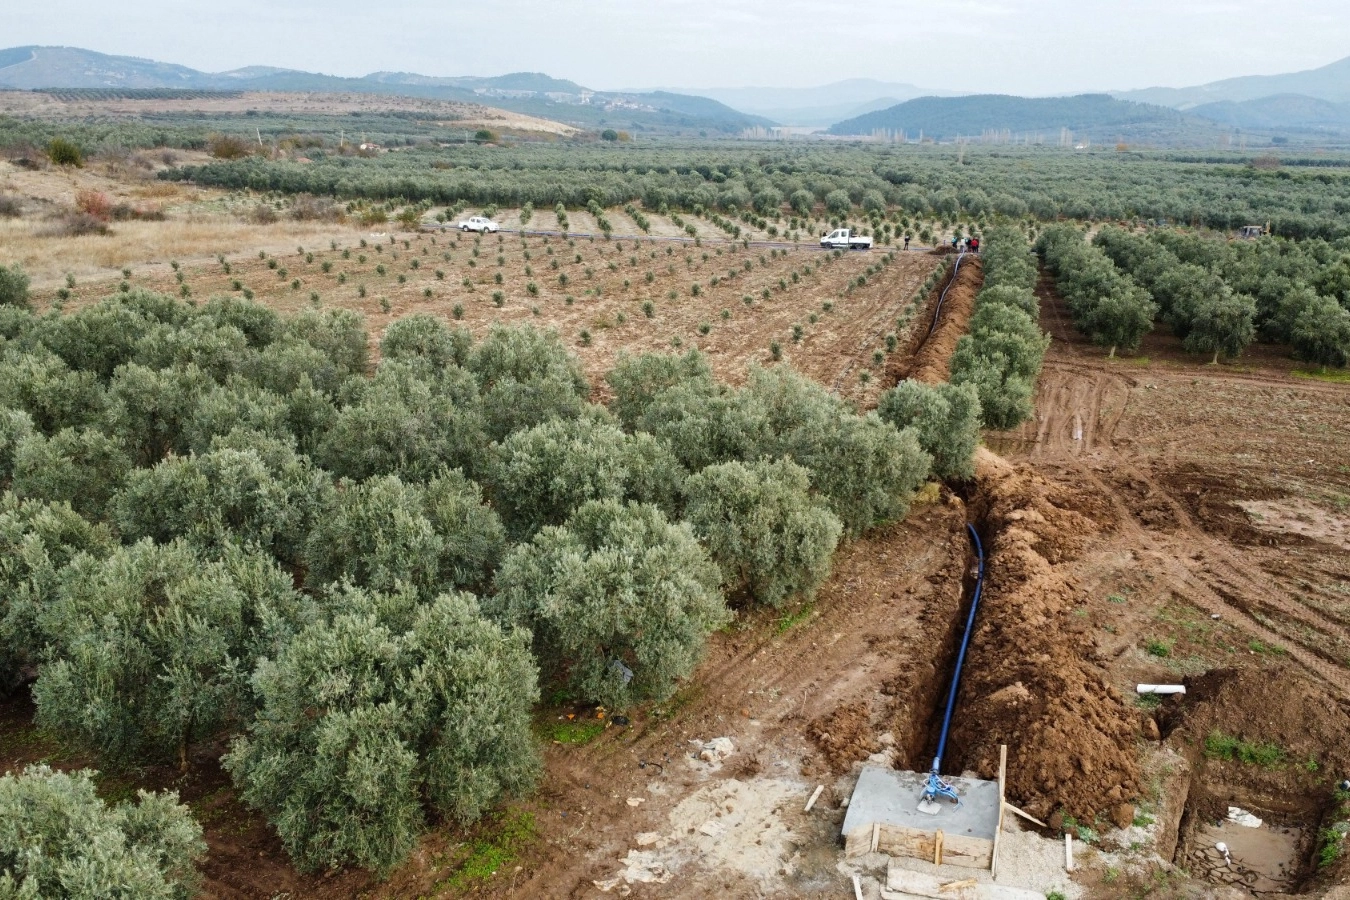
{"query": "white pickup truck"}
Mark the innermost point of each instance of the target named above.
(843, 239)
(480, 224)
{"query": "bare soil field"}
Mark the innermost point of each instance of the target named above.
(36, 104)
(1159, 520)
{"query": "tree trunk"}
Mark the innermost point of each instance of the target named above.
(1215, 360)
(1112, 354)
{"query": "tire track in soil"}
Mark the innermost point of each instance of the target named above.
(1073, 392)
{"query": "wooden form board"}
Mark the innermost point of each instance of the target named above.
(897, 840)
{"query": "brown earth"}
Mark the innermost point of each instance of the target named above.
(941, 327)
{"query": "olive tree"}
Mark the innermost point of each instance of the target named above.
(83, 468)
(149, 650)
(946, 422)
(620, 601)
(226, 495)
(770, 537)
(546, 472)
(1321, 333)
(637, 380)
(54, 396)
(866, 469)
(409, 420)
(1005, 396)
(526, 376)
(37, 541)
(13, 287)
(426, 337)
(1222, 325)
(58, 838)
(387, 712)
(704, 422)
(384, 534)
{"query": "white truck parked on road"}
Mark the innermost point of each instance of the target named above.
(480, 224)
(843, 239)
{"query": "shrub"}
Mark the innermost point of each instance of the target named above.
(526, 376)
(763, 528)
(387, 712)
(64, 153)
(620, 601)
(224, 146)
(386, 535)
(945, 419)
(1223, 325)
(1321, 333)
(59, 839)
(10, 207)
(637, 380)
(14, 287)
(865, 468)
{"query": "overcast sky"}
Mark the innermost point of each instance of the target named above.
(996, 46)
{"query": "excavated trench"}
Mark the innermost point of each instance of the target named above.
(1292, 748)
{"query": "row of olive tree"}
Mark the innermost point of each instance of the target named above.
(1106, 304)
(1001, 355)
(1204, 296)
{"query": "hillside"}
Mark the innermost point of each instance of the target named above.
(1330, 82)
(530, 93)
(1096, 116)
(818, 105)
(1292, 112)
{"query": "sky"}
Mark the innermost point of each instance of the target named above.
(988, 46)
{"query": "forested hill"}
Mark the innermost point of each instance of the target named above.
(1096, 116)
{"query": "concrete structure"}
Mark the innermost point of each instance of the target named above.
(883, 816)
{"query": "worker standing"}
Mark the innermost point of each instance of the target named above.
(906, 242)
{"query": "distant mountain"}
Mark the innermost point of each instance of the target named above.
(532, 93)
(818, 105)
(1330, 82)
(1095, 116)
(69, 67)
(1282, 112)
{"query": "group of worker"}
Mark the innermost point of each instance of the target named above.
(969, 245)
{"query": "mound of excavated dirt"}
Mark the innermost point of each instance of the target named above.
(930, 359)
(1031, 680)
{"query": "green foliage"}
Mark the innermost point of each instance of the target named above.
(620, 601)
(1321, 333)
(1222, 325)
(866, 469)
(543, 474)
(526, 377)
(65, 153)
(149, 650)
(13, 287)
(637, 380)
(770, 537)
(946, 421)
(386, 713)
(388, 535)
(1228, 748)
(80, 467)
(1001, 357)
(58, 839)
(426, 337)
(1106, 304)
(247, 491)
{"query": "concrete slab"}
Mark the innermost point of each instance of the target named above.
(891, 797)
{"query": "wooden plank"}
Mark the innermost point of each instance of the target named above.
(858, 841)
(876, 836)
(1068, 852)
(957, 850)
(906, 883)
(1026, 815)
(998, 828)
(857, 888)
(937, 848)
(815, 795)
